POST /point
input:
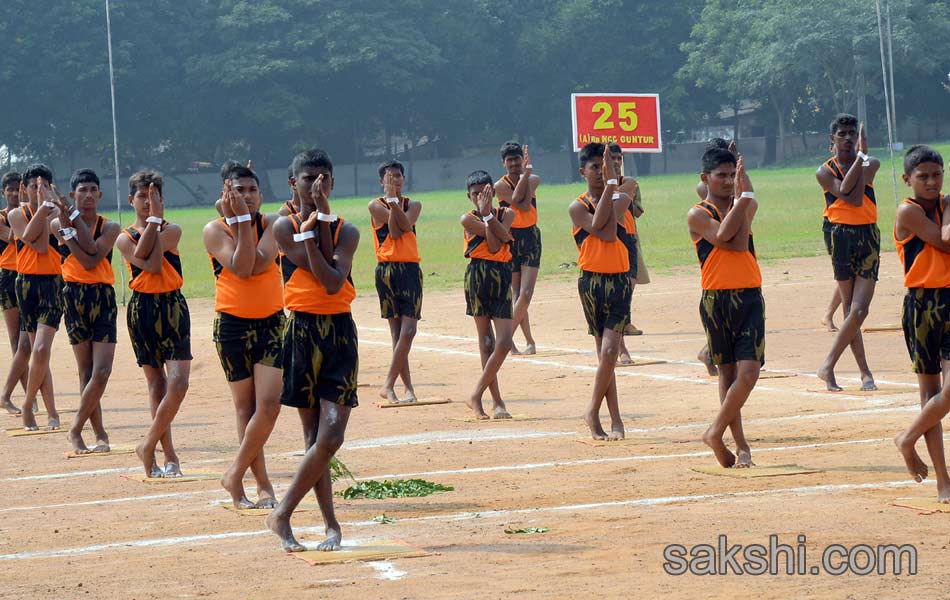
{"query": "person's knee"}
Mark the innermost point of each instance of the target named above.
(610, 349)
(504, 344)
(747, 377)
(177, 385)
(331, 441)
(408, 330)
(100, 374)
(486, 343)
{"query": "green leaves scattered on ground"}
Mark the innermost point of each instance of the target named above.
(526, 530)
(400, 488)
(338, 470)
(384, 519)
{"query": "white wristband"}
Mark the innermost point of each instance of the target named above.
(48, 204)
(611, 182)
(242, 218)
(488, 218)
(616, 196)
(230, 220)
(156, 220)
(306, 235)
(326, 218)
(392, 200)
(68, 233)
(747, 195)
(529, 166)
(862, 156)
(75, 213)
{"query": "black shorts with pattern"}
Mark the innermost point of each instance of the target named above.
(734, 321)
(488, 289)
(630, 241)
(90, 312)
(855, 251)
(826, 233)
(160, 328)
(40, 298)
(399, 287)
(243, 343)
(321, 360)
(925, 319)
(526, 248)
(605, 298)
(8, 289)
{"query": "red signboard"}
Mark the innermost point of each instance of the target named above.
(630, 120)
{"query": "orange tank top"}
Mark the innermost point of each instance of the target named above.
(74, 272)
(405, 249)
(168, 280)
(629, 221)
(596, 255)
(304, 293)
(289, 205)
(476, 246)
(256, 297)
(523, 218)
(724, 269)
(839, 211)
(31, 262)
(924, 265)
(7, 246)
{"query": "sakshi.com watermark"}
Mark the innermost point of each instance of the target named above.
(777, 558)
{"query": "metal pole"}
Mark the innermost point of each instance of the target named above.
(890, 66)
(887, 106)
(115, 140)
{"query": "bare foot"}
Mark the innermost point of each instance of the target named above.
(281, 528)
(102, 445)
(743, 458)
(596, 429)
(703, 357)
(148, 461)
(410, 396)
(943, 493)
(829, 323)
(332, 542)
(500, 412)
(915, 466)
(617, 432)
(79, 446)
(828, 376)
(515, 351)
(624, 360)
(867, 383)
(529, 350)
(476, 406)
(29, 421)
(233, 483)
(265, 501)
(389, 395)
(172, 470)
(725, 456)
(52, 423)
(10, 407)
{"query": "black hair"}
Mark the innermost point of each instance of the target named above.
(841, 121)
(511, 148)
(83, 176)
(920, 154)
(588, 152)
(392, 163)
(143, 179)
(615, 147)
(716, 143)
(37, 170)
(714, 157)
(226, 168)
(11, 178)
(238, 171)
(479, 178)
(314, 157)
(290, 171)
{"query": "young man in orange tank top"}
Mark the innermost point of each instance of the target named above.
(158, 318)
(488, 288)
(39, 287)
(922, 237)
(321, 354)
(604, 281)
(398, 275)
(89, 308)
(732, 309)
(518, 190)
(248, 325)
(847, 182)
(20, 358)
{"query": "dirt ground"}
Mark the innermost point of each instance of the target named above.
(76, 528)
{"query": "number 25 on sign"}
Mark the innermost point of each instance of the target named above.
(630, 120)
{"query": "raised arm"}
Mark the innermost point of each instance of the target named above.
(910, 220)
(101, 246)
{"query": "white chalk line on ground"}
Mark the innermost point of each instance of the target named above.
(448, 517)
(475, 436)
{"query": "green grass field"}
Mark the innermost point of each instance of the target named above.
(788, 224)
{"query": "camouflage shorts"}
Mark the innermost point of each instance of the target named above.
(243, 343)
(160, 328)
(40, 298)
(826, 233)
(321, 360)
(855, 251)
(488, 289)
(734, 321)
(7, 289)
(526, 248)
(399, 287)
(605, 298)
(926, 323)
(90, 312)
